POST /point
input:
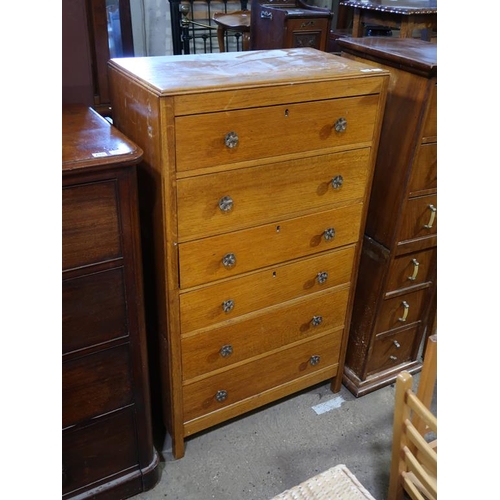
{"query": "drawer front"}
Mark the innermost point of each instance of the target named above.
(230, 137)
(402, 310)
(250, 379)
(93, 309)
(90, 228)
(430, 126)
(253, 196)
(218, 257)
(392, 350)
(424, 172)
(411, 269)
(100, 450)
(420, 218)
(95, 384)
(307, 32)
(232, 298)
(267, 330)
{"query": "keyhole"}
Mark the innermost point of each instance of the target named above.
(278, 229)
(286, 113)
(274, 274)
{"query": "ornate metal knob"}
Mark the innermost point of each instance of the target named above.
(393, 358)
(337, 182)
(229, 260)
(221, 396)
(314, 360)
(231, 140)
(329, 234)
(340, 125)
(226, 350)
(317, 320)
(228, 305)
(406, 308)
(226, 204)
(415, 263)
(322, 277)
(397, 344)
(433, 210)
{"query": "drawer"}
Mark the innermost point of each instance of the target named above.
(218, 257)
(391, 350)
(306, 32)
(424, 171)
(95, 384)
(401, 310)
(250, 379)
(256, 334)
(90, 228)
(213, 139)
(102, 449)
(237, 199)
(229, 299)
(419, 219)
(430, 126)
(411, 269)
(94, 309)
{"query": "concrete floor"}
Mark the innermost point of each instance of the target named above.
(261, 454)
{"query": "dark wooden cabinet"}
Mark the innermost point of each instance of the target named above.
(395, 302)
(279, 24)
(107, 448)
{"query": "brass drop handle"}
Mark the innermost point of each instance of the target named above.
(231, 140)
(228, 305)
(329, 234)
(229, 260)
(397, 344)
(406, 308)
(317, 320)
(226, 204)
(226, 350)
(337, 182)
(221, 396)
(393, 358)
(340, 125)
(416, 265)
(433, 210)
(314, 360)
(322, 277)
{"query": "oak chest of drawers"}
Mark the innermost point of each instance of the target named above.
(395, 302)
(256, 171)
(107, 448)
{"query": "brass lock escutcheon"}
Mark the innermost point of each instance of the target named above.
(317, 320)
(314, 360)
(340, 125)
(228, 305)
(226, 350)
(221, 396)
(229, 260)
(337, 182)
(226, 204)
(322, 277)
(231, 140)
(329, 234)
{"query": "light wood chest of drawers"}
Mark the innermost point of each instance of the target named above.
(256, 172)
(395, 302)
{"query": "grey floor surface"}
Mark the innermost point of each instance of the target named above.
(261, 454)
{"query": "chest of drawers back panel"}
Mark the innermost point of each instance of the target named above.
(256, 171)
(107, 447)
(395, 302)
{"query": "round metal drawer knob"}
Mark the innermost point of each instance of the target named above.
(329, 234)
(228, 305)
(229, 260)
(340, 125)
(231, 140)
(221, 396)
(314, 360)
(226, 350)
(322, 277)
(317, 320)
(337, 182)
(226, 204)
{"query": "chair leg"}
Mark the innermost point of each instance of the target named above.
(220, 38)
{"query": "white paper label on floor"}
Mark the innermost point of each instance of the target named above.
(328, 405)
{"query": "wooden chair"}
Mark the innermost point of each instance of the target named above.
(414, 456)
(238, 21)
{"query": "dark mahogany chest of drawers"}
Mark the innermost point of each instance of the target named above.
(395, 301)
(107, 449)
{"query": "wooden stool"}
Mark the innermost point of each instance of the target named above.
(233, 21)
